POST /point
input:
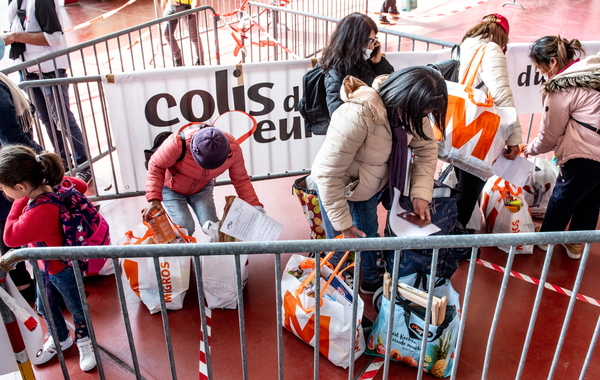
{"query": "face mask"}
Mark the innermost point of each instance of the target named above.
(367, 53)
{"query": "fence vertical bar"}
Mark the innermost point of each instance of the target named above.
(490, 342)
(354, 315)
(390, 328)
(201, 305)
(534, 313)
(565, 327)
(240, 296)
(465, 309)
(165, 319)
(588, 356)
(279, 303)
(126, 322)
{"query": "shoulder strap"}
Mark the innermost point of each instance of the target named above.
(183, 146)
(588, 126)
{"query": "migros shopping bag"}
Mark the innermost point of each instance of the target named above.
(336, 325)
(476, 129)
(140, 273)
(506, 211)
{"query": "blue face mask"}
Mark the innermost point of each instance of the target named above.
(1, 48)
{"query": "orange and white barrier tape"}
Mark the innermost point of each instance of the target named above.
(536, 281)
(101, 17)
(203, 346)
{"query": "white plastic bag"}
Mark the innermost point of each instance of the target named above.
(539, 185)
(33, 339)
(140, 274)
(218, 274)
(503, 218)
(336, 324)
(476, 129)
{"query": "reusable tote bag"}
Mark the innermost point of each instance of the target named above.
(539, 186)
(476, 129)
(336, 325)
(409, 323)
(305, 190)
(140, 274)
(506, 211)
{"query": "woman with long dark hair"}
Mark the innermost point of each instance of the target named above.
(569, 127)
(353, 50)
(366, 147)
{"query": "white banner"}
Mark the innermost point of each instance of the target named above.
(525, 81)
(144, 103)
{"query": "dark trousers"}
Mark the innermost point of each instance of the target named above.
(575, 198)
(389, 6)
(469, 189)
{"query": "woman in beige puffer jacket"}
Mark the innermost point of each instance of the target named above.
(492, 34)
(367, 139)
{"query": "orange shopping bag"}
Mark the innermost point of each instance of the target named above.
(476, 129)
(336, 324)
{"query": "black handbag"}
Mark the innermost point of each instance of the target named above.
(449, 67)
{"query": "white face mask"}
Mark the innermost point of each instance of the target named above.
(367, 53)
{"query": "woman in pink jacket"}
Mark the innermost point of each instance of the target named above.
(190, 181)
(570, 122)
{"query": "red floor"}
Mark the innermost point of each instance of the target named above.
(571, 19)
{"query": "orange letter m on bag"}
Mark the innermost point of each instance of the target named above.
(487, 123)
(291, 307)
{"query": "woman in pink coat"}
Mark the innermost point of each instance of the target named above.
(178, 183)
(569, 127)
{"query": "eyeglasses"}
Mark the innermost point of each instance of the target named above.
(371, 41)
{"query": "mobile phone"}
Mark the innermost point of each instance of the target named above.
(375, 51)
(414, 219)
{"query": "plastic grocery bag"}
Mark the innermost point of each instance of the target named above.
(336, 325)
(476, 129)
(140, 273)
(219, 275)
(33, 339)
(408, 328)
(539, 185)
(506, 211)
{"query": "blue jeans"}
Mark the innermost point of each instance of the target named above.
(52, 116)
(364, 217)
(575, 198)
(202, 203)
(63, 283)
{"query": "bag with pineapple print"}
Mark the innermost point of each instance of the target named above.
(408, 327)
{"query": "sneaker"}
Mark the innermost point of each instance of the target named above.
(87, 359)
(369, 288)
(574, 250)
(178, 62)
(543, 247)
(199, 63)
(49, 350)
(384, 21)
(84, 176)
(395, 15)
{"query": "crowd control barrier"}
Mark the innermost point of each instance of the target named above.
(276, 251)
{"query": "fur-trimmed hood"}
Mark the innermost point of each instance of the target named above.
(583, 74)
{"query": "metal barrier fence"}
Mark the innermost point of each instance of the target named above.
(272, 33)
(277, 248)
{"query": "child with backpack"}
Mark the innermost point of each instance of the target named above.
(51, 210)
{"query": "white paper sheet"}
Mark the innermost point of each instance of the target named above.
(246, 223)
(404, 228)
(515, 171)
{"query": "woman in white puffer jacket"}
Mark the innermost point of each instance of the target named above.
(492, 34)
